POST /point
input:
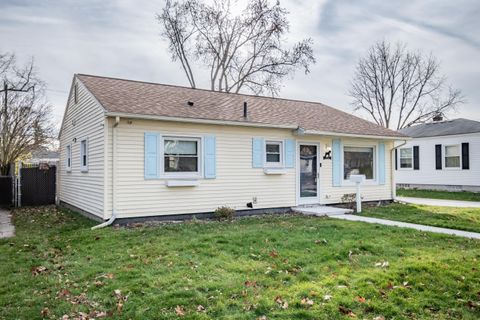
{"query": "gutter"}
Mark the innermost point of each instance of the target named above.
(392, 172)
(114, 180)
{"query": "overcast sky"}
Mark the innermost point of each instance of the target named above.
(121, 39)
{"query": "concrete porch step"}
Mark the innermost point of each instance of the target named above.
(321, 210)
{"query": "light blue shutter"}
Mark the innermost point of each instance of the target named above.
(152, 156)
(337, 162)
(381, 163)
(257, 152)
(209, 158)
(289, 153)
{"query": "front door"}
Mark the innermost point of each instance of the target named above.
(308, 171)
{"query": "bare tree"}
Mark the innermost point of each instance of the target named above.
(240, 51)
(25, 115)
(398, 88)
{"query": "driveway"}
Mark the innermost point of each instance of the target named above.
(439, 202)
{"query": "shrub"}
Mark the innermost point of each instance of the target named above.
(349, 199)
(224, 213)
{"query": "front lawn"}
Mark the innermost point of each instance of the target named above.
(447, 217)
(434, 194)
(275, 267)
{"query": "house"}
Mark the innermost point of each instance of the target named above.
(132, 149)
(43, 155)
(442, 155)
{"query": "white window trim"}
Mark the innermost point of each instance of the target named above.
(84, 168)
(267, 164)
(375, 166)
(400, 159)
(182, 175)
(68, 150)
(444, 156)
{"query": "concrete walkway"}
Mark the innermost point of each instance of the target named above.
(6, 227)
(460, 233)
(439, 202)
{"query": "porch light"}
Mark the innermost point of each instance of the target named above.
(328, 152)
(299, 131)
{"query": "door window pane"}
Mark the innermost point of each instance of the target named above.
(358, 160)
(308, 171)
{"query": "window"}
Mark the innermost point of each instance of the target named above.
(273, 153)
(406, 158)
(181, 155)
(452, 156)
(358, 160)
(83, 155)
(69, 158)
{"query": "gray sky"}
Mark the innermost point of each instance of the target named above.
(121, 39)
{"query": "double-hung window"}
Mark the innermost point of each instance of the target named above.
(84, 156)
(406, 158)
(68, 162)
(273, 154)
(452, 156)
(181, 156)
(358, 160)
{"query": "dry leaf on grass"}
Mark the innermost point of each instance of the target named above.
(306, 302)
(200, 308)
(179, 311)
(281, 303)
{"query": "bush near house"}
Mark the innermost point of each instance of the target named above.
(271, 267)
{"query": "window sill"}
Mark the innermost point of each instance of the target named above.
(182, 183)
(274, 170)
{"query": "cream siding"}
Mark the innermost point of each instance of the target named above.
(83, 120)
(236, 183)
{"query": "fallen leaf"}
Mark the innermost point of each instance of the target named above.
(306, 301)
(45, 312)
(262, 318)
(200, 308)
(281, 303)
(327, 297)
(346, 311)
(273, 254)
(360, 299)
(38, 270)
(179, 311)
(379, 318)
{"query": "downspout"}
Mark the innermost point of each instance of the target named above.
(392, 172)
(114, 186)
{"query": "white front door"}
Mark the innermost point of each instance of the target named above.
(308, 173)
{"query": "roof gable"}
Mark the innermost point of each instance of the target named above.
(152, 99)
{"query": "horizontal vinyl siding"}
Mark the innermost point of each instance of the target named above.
(429, 175)
(236, 182)
(84, 190)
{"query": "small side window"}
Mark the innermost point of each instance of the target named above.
(84, 156)
(68, 158)
(273, 154)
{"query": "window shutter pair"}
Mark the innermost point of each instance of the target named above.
(153, 156)
(258, 153)
(465, 156)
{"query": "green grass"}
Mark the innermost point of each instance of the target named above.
(433, 194)
(243, 269)
(447, 217)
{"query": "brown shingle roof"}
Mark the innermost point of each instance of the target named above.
(151, 99)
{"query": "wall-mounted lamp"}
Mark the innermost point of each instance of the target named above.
(328, 152)
(74, 140)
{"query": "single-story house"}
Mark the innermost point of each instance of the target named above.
(134, 149)
(442, 155)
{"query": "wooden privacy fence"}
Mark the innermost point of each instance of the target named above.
(36, 184)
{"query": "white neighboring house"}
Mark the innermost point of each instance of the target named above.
(443, 155)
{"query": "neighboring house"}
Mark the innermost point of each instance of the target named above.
(141, 149)
(44, 156)
(443, 155)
